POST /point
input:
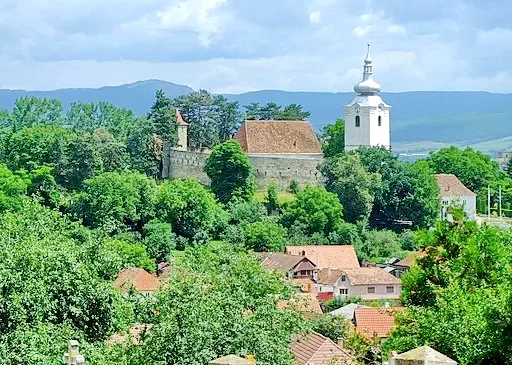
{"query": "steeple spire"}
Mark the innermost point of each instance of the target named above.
(367, 86)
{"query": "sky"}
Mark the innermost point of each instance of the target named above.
(233, 46)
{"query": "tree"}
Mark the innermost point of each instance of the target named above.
(265, 236)
(315, 211)
(132, 254)
(458, 295)
(252, 111)
(145, 148)
(213, 309)
(379, 246)
(79, 161)
(292, 112)
(163, 118)
(230, 172)
(33, 147)
(270, 111)
(334, 327)
(229, 117)
(355, 187)
(112, 200)
(272, 199)
(188, 206)
(198, 109)
(29, 111)
(333, 138)
(112, 152)
(159, 240)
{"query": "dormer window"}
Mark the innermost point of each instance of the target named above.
(343, 278)
(358, 121)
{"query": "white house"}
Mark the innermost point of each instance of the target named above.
(453, 192)
(367, 120)
(369, 283)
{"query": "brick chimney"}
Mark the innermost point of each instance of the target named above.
(73, 357)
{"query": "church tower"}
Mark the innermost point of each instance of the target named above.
(367, 116)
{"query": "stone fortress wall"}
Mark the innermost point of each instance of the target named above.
(268, 169)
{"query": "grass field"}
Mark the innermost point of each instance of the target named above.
(282, 196)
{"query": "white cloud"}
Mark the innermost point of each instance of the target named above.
(396, 29)
(315, 17)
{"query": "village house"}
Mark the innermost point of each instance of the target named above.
(315, 349)
(454, 193)
(305, 299)
(137, 279)
(424, 355)
(294, 267)
(347, 311)
(368, 283)
(327, 256)
(375, 322)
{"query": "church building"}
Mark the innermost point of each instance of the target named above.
(367, 121)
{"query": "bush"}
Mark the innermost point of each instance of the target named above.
(159, 240)
(241, 211)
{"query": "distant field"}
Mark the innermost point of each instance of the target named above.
(282, 196)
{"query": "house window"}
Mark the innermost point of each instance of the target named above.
(390, 289)
(380, 121)
(358, 121)
(371, 290)
(343, 291)
(445, 202)
(343, 278)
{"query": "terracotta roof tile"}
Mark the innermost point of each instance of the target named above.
(315, 349)
(411, 258)
(328, 256)
(281, 261)
(180, 119)
(307, 303)
(375, 321)
(140, 279)
(230, 360)
(134, 333)
(450, 185)
(278, 137)
(305, 285)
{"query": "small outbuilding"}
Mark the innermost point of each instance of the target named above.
(423, 355)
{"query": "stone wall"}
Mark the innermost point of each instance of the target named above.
(278, 170)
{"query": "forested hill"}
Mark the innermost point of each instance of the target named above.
(419, 119)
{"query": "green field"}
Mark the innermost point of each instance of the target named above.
(282, 196)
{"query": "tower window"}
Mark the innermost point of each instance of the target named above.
(380, 120)
(358, 121)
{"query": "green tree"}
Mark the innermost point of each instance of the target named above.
(333, 138)
(29, 111)
(252, 111)
(348, 179)
(272, 199)
(265, 236)
(31, 148)
(188, 206)
(163, 118)
(113, 153)
(132, 254)
(213, 293)
(315, 211)
(292, 112)
(458, 295)
(159, 240)
(199, 110)
(334, 327)
(145, 148)
(112, 200)
(270, 111)
(230, 172)
(229, 117)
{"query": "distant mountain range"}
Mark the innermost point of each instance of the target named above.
(420, 121)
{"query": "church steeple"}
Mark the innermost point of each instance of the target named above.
(367, 86)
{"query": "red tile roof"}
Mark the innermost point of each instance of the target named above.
(327, 256)
(411, 258)
(140, 279)
(450, 185)
(315, 349)
(325, 296)
(358, 276)
(281, 261)
(372, 322)
(180, 119)
(278, 137)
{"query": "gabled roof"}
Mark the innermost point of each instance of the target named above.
(450, 185)
(327, 256)
(358, 276)
(316, 349)
(427, 354)
(306, 303)
(347, 311)
(282, 261)
(140, 279)
(375, 321)
(180, 119)
(278, 137)
(231, 360)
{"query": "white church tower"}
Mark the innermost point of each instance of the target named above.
(367, 117)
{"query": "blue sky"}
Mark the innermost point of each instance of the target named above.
(241, 45)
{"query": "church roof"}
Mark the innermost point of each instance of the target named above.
(450, 185)
(278, 137)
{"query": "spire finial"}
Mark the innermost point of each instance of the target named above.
(368, 58)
